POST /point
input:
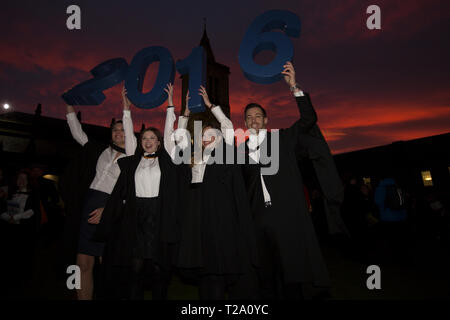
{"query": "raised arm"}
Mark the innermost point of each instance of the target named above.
(75, 126)
(226, 126)
(183, 119)
(308, 116)
(130, 138)
(171, 138)
(169, 141)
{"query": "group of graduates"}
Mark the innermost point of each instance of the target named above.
(136, 213)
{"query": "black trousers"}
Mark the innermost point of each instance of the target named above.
(270, 271)
(145, 271)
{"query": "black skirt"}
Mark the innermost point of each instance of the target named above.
(94, 199)
(148, 222)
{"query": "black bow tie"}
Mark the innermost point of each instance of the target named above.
(150, 156)
(117, 148)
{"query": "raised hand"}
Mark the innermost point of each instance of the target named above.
(126, 102)
(169, 91)
(289, 74)
(202, 92)
(95, 216)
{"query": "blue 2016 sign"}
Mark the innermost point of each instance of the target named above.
(257, 38)
(134, 79)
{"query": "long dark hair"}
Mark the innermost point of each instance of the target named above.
(139, 149)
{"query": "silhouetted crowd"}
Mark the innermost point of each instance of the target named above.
(385, 221)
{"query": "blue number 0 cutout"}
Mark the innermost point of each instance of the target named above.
(106, 75)
(258, 38)
(136, 73)
(195, 66)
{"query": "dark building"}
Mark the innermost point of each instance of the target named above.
(217, 86)
(35, 140)
(417, 164)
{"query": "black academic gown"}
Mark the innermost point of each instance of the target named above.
(290, 223)
(217, 232)
(119, 222)
(313, 147)
(73, 185)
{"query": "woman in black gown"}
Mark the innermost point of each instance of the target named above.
(216, 245)
(139, 222)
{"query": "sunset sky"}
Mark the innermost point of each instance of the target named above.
(369, 87)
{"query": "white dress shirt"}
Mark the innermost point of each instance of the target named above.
(147, 178)
(253, 143)
(107, 169)
(175, 138)
(130, 138)
(226, 126)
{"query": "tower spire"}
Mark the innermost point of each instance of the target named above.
(204, 42)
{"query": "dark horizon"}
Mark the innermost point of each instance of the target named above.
(138, 127)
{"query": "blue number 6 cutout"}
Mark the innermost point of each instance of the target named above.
(258, 38)
(106, 75)
(136, 73)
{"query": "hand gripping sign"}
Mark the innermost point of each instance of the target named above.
(259, 37)
(106, 75)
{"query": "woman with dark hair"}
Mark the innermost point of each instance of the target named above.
(217, 244)
(139, 223)
(85, 187)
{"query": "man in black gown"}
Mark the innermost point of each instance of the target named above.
(289, 254)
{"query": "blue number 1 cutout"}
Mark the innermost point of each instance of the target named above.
(136, 73)
(195, 66)
(258, 38)
(106, 75)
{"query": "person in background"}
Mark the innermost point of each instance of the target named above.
(3, 186)
(22, 215)
(391, 202)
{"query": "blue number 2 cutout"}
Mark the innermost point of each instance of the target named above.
(136, 73)
(106, 75)
(258, 38)
(195, 66)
